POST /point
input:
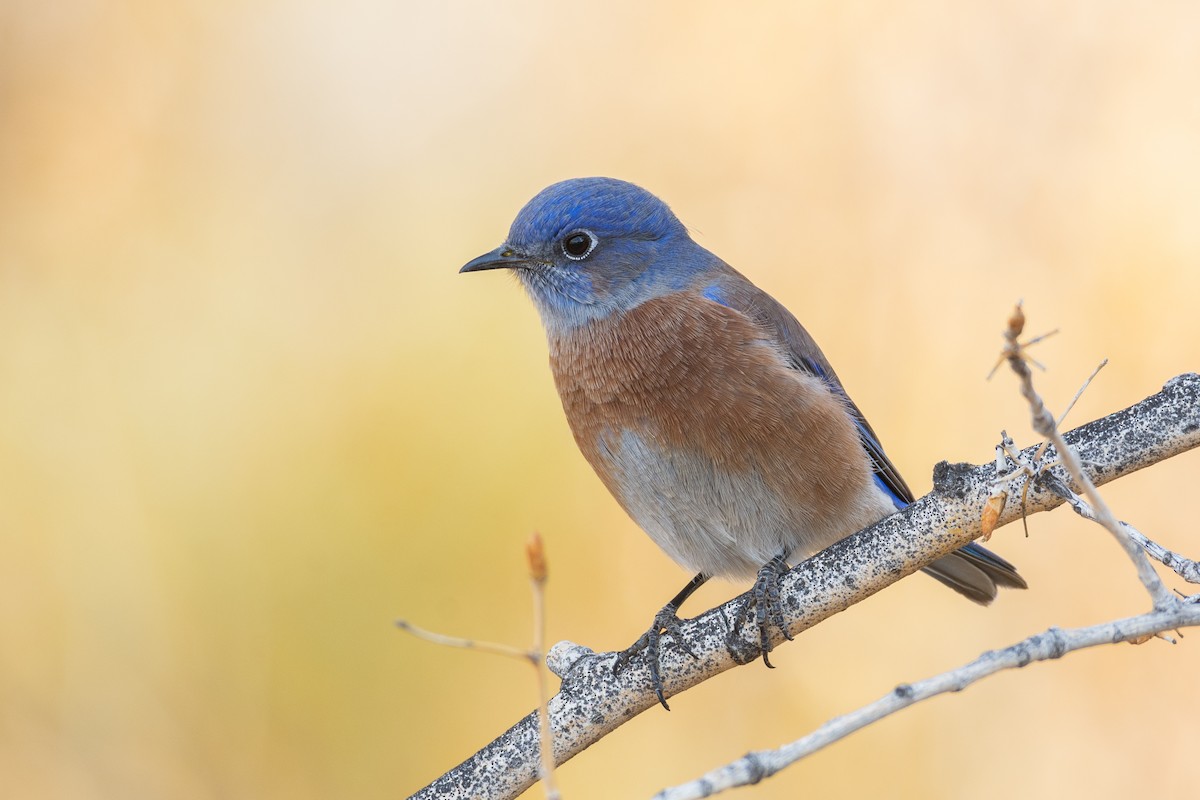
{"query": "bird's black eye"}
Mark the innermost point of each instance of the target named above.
(577, 245)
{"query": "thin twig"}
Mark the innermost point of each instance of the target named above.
(1185, 568)
(535, 554)
(999, 497)
(1025, 466)
(466, 644)
(1058, 422)
(1024, 345)
(1054, 643)
(1043, 423)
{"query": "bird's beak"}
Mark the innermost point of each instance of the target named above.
(500, 258)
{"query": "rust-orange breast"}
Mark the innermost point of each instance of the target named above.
(710, 399)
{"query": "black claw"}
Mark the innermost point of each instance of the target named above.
(767, 607)
(656, 680)
(665, 621)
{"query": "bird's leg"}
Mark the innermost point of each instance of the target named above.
(665, 621)
(768, 610)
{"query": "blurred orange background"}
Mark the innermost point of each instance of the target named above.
(251, 414)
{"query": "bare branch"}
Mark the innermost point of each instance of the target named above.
(592, 702)
(466, 644)
(1185, 568)
(1054, 643)
(1169, 612)
(1078, 394)
(1044, 424)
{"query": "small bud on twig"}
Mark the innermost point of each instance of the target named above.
(1016, 322)
(535, 554)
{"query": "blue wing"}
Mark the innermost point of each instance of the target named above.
(734, 291)
(972, 570)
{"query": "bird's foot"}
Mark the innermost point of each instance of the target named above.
(665, 621)
(764, 601)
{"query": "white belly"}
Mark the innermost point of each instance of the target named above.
(720, 522)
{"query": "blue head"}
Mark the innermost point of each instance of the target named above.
(589, 247)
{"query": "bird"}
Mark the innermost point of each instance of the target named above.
(703, 405)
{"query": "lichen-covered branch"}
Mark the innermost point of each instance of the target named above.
(593, 702)
(1054, 643)
(1169, 611)
(1185, 568)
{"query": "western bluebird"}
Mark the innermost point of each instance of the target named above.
(703, 405)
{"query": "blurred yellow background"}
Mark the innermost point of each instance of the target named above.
(250, 413)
